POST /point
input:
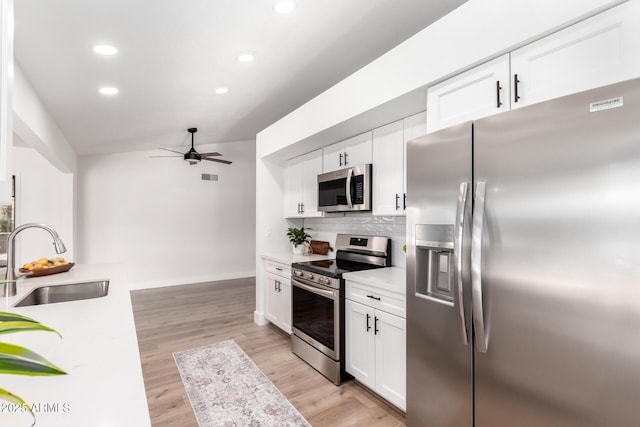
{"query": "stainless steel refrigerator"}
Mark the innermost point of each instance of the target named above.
(523, 267)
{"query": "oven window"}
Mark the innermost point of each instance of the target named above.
(313, 315)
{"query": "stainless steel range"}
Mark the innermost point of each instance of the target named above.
(317, 305)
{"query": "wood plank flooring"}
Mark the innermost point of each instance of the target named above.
(183, 317)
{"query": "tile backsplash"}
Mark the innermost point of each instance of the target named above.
(328, 227)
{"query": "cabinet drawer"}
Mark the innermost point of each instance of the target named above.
(375, 297)
(280, 269)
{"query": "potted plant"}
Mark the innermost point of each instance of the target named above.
(298, 238)
(17, 360)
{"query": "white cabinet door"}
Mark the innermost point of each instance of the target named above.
(300, 185)
(6, 100)
(359, 341)
(358, 149)
(311, 168)
(354, 151)
(391, 358)
(479, 92)
(388, 169)
(414, 126)
(293, 188)
(278, 299)
(598, 51)
(273, 309)
(285, 305)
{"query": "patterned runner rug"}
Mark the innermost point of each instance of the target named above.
(226, 388)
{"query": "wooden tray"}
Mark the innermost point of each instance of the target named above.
(48, 271)
(320, 247)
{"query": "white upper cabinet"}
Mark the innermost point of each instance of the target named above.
(598, 51)
(388, 169)
(6, 100)
(356, 150)
(414, 126)
(389, 163)
(300, 185)
(479, 92)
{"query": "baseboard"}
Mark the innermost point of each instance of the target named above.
(259, 319)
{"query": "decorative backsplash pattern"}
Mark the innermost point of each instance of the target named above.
(328, 227)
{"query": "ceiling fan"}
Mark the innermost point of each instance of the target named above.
(192, 156)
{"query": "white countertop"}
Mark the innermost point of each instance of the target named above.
(289, 258)
(99, 351)
(392, 278)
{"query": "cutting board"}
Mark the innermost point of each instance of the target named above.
(319, 247)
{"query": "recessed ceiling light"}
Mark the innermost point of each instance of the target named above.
(108, 90)
(221, 90)
(284, 6)
(105, 49)
(245, 57)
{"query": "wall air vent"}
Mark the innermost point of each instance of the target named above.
(209, 177)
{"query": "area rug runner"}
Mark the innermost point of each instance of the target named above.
(226, 388)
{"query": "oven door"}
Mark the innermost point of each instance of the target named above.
(315, 316)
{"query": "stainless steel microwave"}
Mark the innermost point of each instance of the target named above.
(345, 190)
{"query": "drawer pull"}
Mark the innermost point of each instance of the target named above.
(279, 268)
(372, 297)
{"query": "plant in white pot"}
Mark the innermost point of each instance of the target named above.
(299, 239)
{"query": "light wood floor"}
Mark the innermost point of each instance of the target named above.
(182, 317)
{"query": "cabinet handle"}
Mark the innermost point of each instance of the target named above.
(515, 88)
(372, 297)
(345, 158)
(275, 285)
(279, 286)
(397, 201)
(375, 326)
(341, 159)
(404, 202)
(368, 318)
(279, 268)
(498, 89)
(301, 208)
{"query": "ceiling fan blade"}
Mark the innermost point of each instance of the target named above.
(210, 154)
(167, 149)
(151, 157)
(226, 162)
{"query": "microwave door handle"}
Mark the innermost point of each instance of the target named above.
(349, 177)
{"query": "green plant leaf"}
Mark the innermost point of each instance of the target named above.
(12, 327)
(17, 360)
(10, 397)
(8, 317)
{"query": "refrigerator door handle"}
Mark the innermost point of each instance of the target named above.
(459, 232)
(476, 268)
(348, 189)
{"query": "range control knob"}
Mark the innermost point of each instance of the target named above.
(309, 276)
(297, 273)
(325, 280)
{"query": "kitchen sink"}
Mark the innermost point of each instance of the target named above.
(67, 292)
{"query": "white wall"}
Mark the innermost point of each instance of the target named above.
(166, 224)
(43, 195)
(35, 126)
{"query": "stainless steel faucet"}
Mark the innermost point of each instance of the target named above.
(9, 287)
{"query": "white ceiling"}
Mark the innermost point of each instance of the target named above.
(174, 53)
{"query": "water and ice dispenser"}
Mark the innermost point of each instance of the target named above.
(434, 261)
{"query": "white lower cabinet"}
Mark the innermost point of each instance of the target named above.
(278, 295)
(376, 350)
